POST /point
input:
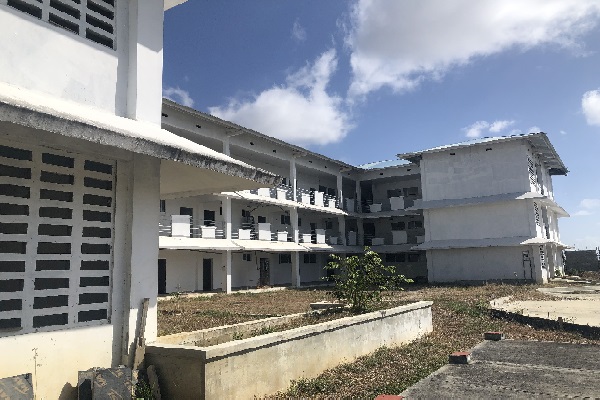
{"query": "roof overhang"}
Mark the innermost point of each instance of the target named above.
(490, 242)
(265, 245)
(539, 141)
(185, 243)
(172, 3)
(183, 157)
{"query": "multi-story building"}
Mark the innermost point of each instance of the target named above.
(283, 235)
(83, 163)
(489, 209)
(480, 210)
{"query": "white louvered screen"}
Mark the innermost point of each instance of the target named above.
(542, 257)
(92, 19)
(536, 212)
(56, 236)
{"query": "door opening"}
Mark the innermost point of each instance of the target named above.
(264, 272)
(207, 274)
(162, 276)
(527, 266)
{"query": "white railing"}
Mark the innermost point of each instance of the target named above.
(184, 226)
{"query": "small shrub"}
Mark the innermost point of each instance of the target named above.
(360, 280)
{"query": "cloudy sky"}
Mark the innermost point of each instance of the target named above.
(363, 80)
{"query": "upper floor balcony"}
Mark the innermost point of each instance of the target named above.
(389, 205)
(307, 197)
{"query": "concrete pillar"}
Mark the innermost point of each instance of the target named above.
(227, 271)
(340, 193)
(342, 228)
(144, 80)
(226, 150)
(358, 198)
(296, 269)
(227, 217)
(294, 222)
(293, 181)
(360, 240)
(144, 184)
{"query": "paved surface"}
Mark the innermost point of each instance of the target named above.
(575, 304)
(517, 369)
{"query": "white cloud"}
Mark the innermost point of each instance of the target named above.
(298, 32)
(563, 133)
(398, 44)
(301, 111)
(178, 95)
(534, 129)
(590, 104)
(587, 207)
(498, 126)
(476, 129)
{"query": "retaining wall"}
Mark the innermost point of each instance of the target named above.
(265, 364)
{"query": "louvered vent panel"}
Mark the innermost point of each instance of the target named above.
(56, 237)
(92, 19)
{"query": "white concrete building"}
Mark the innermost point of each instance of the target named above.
(283, 235)
(83, 163)
(489, 209)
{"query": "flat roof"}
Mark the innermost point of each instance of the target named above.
(539, 141)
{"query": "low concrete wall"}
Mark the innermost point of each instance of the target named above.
(226, 333)
(268, 363)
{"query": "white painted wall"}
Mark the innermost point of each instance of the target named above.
(475, 172)
(494, 220)
(476, 264)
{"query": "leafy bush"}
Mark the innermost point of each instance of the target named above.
(361, 280)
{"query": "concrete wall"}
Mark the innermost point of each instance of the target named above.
(475, 172)
(125, 80)
(495, 220)
(479, 264)
(223, 371)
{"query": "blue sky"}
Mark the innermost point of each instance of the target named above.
(363, 80)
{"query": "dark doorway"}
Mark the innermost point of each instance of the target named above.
(313, 232)
(162, 276)
(369, 232)
(207, 275)
(209, 218)
(264, 272)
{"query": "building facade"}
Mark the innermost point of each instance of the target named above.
(489, 209)
(283, 235)
(83, 163)
(476, 211)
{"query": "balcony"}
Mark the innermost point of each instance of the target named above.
(249, 230)
(303, 196)
(184, 226)
(376, 206)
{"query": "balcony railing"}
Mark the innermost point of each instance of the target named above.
(305, 196)
(184, 226)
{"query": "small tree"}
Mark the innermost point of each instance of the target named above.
(361, 280)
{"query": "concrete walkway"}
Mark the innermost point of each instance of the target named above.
(578, 305)
(517, 369)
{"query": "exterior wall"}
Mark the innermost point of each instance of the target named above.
(54, 355)
(214, 372)
(73, 67)
(495, 220)
(380, 189)
(471, 171)
(477, 264)
(244, 274)
(125, 81)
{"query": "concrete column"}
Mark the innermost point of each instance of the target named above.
(361, 232)
(227, 217)
(294, 222)
(293, 181)
(144, 184)
(340, 193)
(296, 269)
(358, 197)
(342, 228)
(144, 80)
(227, 272)
(226, 150)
